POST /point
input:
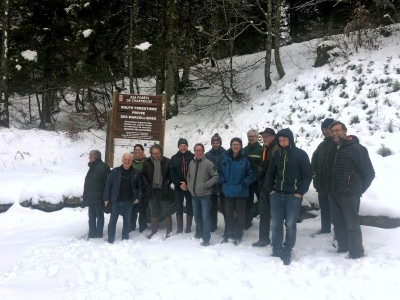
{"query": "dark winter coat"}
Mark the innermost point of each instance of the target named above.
(111, 189)
(289, 171)
(175, 167)
(317, 163)
(235, 175)
(349, 167)
(95, 181)
(147, 178)
(269, 152)
(254, 152)
(216, 156)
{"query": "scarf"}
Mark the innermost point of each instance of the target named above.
(157, 176)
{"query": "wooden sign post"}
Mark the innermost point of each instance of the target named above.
(134, 119)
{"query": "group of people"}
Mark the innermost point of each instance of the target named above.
(202, 183)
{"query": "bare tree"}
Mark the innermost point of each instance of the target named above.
(4, 113)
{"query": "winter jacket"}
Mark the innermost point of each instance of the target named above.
(269, 152)
(147, 178)
(111, 189)
(254, 152)
(317, 162)
(201, 177)
(235, 175)
(289, 171)
(95, 181)
(176, 167)
(216, 156)
(349, 167)
(138, 164)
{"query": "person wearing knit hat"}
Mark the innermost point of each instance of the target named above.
(236, 175)
(319, 179)
(217, 138)
(178, 172)
(216, 155)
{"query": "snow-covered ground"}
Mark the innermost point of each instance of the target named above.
(46, 255)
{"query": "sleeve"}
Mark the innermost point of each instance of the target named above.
(250, 174)
(366, 169)
(107, 187)
(214, 176)
(269, 180)
(306, 174)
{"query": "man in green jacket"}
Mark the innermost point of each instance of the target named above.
(253, 152)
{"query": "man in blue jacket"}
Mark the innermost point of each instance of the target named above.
(236, 174)
(288, 178)
(123, 189)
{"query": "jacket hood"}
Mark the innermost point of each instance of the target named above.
(229, 153)
(286, 132)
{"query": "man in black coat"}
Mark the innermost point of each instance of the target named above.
(350, 174)
(178, 171)
(319, 178)
(93, 189)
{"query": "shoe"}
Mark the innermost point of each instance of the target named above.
(261, 243)
(149, 236)
(141, 229)
(168, 235)
(276, 254)
(236, 242)
(205, 244)
(322, 232)
(225, 240)
(355, 256)
(341, 250)
(286, 256)
(198, 236)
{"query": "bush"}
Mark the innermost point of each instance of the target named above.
(384, 151)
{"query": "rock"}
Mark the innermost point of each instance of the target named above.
(380, 221)
(323, 54)
(4, 207)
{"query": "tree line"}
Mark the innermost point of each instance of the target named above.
(87, 48)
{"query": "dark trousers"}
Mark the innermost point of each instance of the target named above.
(346, 223)
(141, 211)
(253, 190)
(96, 221)
(234, 226)
(323, 203)
(157, 203)
(180, 196)
(264, 205)
(125, 209)
(214, 212)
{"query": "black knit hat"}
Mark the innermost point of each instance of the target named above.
(326, 123)
(183, 141)
(216, 137)
(236, 139)
(267, 131)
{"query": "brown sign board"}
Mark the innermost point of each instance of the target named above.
(134, 119)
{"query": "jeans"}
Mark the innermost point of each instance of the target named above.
(346, 223)
(201, 210)
(179, 198)
(125, 209)
(323, 203)
(96, 221)
(285, 208)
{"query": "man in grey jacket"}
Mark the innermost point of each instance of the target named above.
(201, 177)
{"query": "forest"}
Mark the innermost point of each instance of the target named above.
(81, 52)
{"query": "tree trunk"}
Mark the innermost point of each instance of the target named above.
(268, 47)
(278, 62)
(4, 112)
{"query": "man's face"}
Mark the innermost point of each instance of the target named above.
(337, 133)
(252, 137)
(284, 141)
(156, 154)
(138, 153)
(198, 152)
(268, 139)
(183, 148)
(216, 145)
(126, 161)
(325, 132)
(91, 158)
(236, 147)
